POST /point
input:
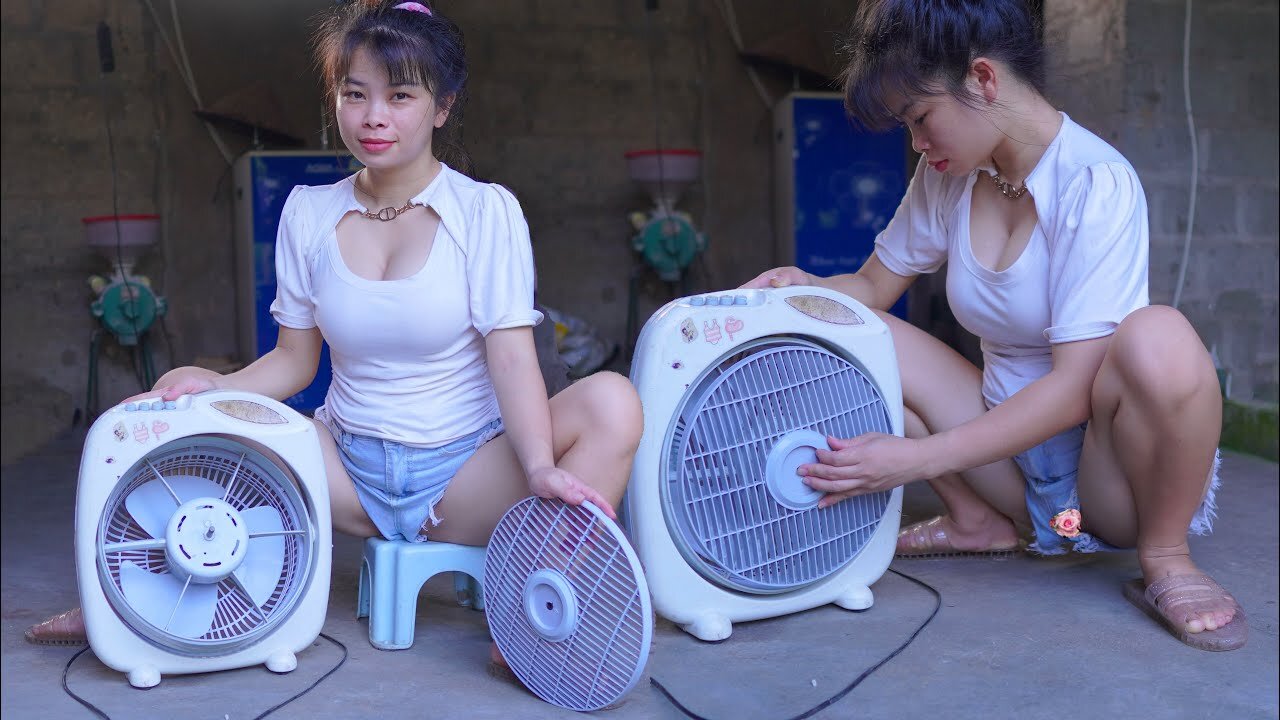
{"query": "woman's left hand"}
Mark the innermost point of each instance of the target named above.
(869, 463)
(552, 482)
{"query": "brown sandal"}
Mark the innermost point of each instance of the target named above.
(928, 539)
(1172, 600)
(65, 629)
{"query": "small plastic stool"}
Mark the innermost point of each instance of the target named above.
(392, 574)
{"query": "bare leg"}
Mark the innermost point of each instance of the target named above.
(942, 390)
(596, 425)
(1149, 448)
(970, 523)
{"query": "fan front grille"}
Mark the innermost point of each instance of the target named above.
(724, 518)
(249, 480)
(604, 656)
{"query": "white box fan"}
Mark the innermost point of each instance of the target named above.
(203, 537)
(738, 390)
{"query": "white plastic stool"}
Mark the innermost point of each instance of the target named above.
(392, 574)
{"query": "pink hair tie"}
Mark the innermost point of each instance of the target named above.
(414, 6)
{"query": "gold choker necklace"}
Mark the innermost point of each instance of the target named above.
(1007, 188)
(385, 214)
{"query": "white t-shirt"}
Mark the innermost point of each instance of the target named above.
(408, 355)
(1083, 270)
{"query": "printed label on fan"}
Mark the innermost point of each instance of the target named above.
(140, 432)
(249, 412)
(824, 309)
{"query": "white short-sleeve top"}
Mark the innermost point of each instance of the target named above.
(1084, 268)
(408, 355)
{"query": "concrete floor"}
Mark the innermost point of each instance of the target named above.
(1019, 638)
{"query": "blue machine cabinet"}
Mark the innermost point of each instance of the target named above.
(835, 187)
(263, 181)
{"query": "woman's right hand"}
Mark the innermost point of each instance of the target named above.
(178, 382)
(780, 278)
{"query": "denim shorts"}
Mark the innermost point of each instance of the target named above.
(1051, 468)
(400, 485)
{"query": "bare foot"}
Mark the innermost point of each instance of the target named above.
(1197, 610)
(941, 535)
(64, 629)
(498, 666)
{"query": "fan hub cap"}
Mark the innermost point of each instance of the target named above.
(550, 606)
(206, 540)
(788, 454)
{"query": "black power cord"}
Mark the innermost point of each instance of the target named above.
(856, 681)
(99, 713)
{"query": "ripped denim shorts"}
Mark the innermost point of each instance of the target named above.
(1051, 469)
(400, 485)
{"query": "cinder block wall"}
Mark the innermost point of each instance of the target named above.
(560, 89)
(1118, 69)
(1230, 290)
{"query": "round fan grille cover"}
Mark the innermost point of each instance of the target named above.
(205, 545)
(726, 520)
(567, 603)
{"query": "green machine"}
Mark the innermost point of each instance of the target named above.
(124, 303)
(666, 239)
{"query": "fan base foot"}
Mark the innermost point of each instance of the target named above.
(856, 598)
(144, 678)
(710, 627)
(282, 662)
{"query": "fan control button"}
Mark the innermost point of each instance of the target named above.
(157, 404)
(130, 407)
(697, 301)
(739, 300)
(183, 402)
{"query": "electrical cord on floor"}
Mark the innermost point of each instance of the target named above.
(99, 713)
(856, 681)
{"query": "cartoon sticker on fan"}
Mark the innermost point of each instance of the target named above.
(688, 330)
(711, 331)
(159, 427)
(120, 432)
(140, 432)
(733, 326)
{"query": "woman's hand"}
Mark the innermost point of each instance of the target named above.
(869, 463)
(781, 277)
(178, 382)
(552, 483)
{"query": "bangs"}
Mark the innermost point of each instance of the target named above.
(872, 78)
(405, 58)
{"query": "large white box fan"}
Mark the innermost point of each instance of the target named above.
(738, 389)
(203, 536)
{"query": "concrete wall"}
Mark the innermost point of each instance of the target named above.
(560, 89)
(1118, 70)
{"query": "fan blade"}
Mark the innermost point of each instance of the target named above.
(151, 504)
(264, 558)
(154, 597)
